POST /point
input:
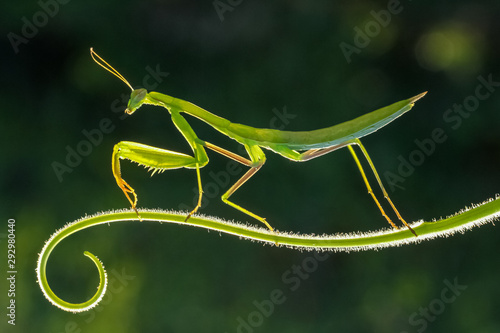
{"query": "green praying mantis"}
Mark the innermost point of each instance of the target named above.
(298, 146)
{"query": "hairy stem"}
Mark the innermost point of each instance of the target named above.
(463, 220)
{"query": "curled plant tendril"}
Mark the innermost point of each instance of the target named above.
(466, 219)
(42, 278)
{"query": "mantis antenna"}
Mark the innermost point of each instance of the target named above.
(101, 62)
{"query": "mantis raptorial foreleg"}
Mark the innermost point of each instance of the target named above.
(157, 160)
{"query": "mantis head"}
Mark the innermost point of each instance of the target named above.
(138, 96)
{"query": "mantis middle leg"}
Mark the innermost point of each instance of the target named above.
(257, 160)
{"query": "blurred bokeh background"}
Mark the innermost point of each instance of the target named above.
(295, 65)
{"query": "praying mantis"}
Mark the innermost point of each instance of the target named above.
(297, 146)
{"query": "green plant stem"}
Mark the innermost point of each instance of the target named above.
(464, 220)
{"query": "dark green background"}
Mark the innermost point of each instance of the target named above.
(264, 55)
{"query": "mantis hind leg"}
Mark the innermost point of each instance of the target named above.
(156, 160)
(370, 191)
(314, 153)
